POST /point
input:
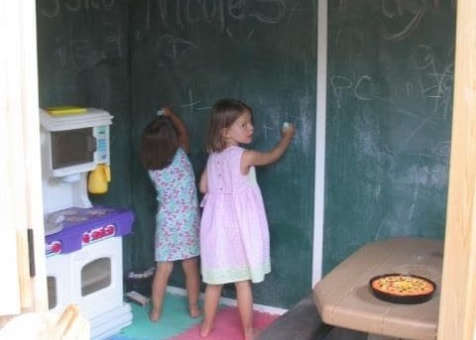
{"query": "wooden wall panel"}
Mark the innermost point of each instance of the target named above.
(458, 294)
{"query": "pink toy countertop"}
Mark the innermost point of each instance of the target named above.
(344, 299)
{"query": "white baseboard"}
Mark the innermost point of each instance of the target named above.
(232, 302)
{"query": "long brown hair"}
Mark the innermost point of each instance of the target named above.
(159, 143)
(224, 113)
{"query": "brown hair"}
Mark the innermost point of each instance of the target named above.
(224, 113)
(159, 143)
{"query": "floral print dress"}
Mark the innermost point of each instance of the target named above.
(177, 219)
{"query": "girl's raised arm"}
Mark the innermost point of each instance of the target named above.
(181, 128)
(256, 158)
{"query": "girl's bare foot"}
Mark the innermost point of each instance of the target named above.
(205, 329)
(154, 314)
(195, 312)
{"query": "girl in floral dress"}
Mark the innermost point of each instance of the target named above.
(234, 236)
(164, 144)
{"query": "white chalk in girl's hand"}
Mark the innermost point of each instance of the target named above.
(160, 112)
(285, 125)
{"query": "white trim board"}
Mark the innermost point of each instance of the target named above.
(231, 302)
(320, 156)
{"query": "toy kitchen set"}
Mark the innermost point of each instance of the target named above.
(83, 242)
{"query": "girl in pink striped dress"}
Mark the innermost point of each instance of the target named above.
(234, 236)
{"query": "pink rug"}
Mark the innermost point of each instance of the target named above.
(228, 326)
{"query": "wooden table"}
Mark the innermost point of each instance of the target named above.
(344, 299)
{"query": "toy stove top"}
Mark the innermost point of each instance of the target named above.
(83, 226)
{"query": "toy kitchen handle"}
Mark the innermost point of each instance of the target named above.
(98, 179)
(91, 143)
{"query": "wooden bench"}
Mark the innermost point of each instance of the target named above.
(302, 322)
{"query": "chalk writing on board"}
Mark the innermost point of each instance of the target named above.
(404, 15)
(364, 88)
(79, 54)
(83, 48)
(55, 7)
(170, 48)
(117, 39)
(193, 104)
(431, 81)
(411, 9)
(267, 128)
(415, 12)
(434, 82)
(181, 14)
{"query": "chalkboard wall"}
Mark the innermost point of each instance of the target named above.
(389, 97)
(132, 57)
(389, 93)
(190, 54)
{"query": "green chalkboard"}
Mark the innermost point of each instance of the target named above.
(192, 53)
(389, 104)
(132, 57)
(389, 95)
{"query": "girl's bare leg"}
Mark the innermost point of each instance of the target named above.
(244, 297)
(192, 284)
(212, 297)
(159, 284)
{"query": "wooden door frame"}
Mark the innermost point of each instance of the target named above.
(21, 202)
(458, 288)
